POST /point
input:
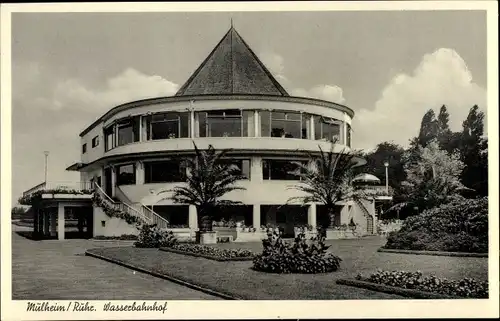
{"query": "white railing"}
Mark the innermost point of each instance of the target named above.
(120, 206)
(60, 185)
(153, 217)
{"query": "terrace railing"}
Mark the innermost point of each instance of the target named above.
(59, 185)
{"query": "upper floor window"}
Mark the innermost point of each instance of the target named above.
(109, 138)
(225, 123)
(125, 174)
(84, 148)
(283, 124)
(164, 171)
(326, 128)
(274, 169)
(127, 131)
(95, 141)
(168, 125)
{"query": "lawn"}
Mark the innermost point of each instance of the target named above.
(239, 280)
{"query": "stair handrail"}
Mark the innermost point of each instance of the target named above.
(152, 216)
(119, 205)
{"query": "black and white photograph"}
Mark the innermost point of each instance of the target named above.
(193, 155)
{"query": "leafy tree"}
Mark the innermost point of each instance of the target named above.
(432, 179)
(428, 128)
(386, 151)
(327, 179)
(474, 152)
(17, 212)
(444, 134)
(209, 178)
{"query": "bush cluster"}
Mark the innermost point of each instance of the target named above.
(215, 252)
(301, 256)
(467, 287)
(458, 226)
(151, 236)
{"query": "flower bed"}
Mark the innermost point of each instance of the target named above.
(465, 288)
(111, 212)
(123, 237)
(303, 256)
(210, 252)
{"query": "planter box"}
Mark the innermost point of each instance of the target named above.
(339, 234)
(308, 234)
(206, 237)
(182, 234)
(239, 235)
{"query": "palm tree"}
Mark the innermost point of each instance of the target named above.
(327, 179)
(209, 178)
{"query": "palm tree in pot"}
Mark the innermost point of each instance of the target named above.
(209, 177)
(327, 179)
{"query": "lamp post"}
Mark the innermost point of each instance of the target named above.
(386, 164)
(46, 153)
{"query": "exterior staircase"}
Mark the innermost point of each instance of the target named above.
(370, 226)
(144, 214)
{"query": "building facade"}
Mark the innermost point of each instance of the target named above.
(231, 101)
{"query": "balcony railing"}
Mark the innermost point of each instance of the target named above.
(59, 185)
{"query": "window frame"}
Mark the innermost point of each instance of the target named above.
(95, 141)
(84, 148)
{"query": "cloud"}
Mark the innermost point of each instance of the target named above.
(276, 65)
(127, 86)
(442, 77)
(49, 113)
(325, 92)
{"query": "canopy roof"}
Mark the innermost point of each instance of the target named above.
(366, 178)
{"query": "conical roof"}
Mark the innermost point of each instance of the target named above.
(232, 68)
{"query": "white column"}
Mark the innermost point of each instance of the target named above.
(113, 181)
(192, 124)
(256, 169)
(311, 215)
(256, 216)
(193, 217)
(256, 123)
(311, 126)
(60, 222)
(140, 128)
(139, 173)
(53, 224)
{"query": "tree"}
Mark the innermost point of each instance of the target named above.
(326, 179)
(444, 134)
(428, 128)
(208, 179)
(17, 212)
(432, 179)
(386, 151)
(474, 152)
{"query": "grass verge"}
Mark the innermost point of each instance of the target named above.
(435, 253)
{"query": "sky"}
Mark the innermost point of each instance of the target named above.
(390, 67)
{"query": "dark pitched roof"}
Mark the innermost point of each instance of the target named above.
(232, 68)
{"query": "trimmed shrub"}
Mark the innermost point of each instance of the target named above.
(302, 256)
(458, 226)
(211, 251)
(151, 236)
(467, 287)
